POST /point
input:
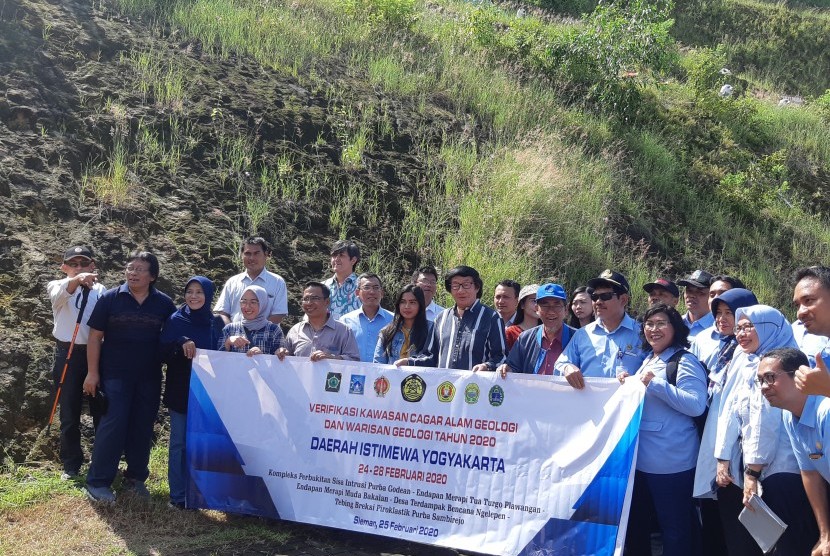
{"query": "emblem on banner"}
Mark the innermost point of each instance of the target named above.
(356, 384)
(471, 393)
(381, 386)
(496, 395)
(446, 391)
(333, 382)
(413, 388)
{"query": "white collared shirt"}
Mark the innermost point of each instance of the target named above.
(65, 307)
(433, 310)
(228, 301)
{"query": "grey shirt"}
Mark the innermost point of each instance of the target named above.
(335, 338)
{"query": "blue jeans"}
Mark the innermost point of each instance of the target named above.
(127, 428)
(666, 499)
(177, 475)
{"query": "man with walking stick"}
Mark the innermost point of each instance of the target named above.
(72, 299)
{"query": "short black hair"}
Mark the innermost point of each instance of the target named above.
(731, 280)
(517, 287)
(818, 272)
(369, 276)
(428, 269)
(681, 331)
(324, 288)
(256, 240)
(791, 359)
(464, 272)
(347, 246)
(148, 258)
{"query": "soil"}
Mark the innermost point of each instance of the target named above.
(68, 98)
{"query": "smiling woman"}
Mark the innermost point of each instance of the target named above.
(675, 393)
(749, 430)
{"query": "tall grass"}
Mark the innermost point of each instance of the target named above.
(554, 191)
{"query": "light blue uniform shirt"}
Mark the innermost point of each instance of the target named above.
(366, 330)
(810, 435)
(668, 435)
(600, 353)
(808, 343)
(747, 421)
(706, 346)
(699, 325)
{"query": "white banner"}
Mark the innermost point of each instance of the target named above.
(526, 465)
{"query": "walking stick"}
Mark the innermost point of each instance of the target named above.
(84, 298)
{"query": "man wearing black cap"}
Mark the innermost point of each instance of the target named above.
(698, 317)
(66, 297)
(662, 291)
(609, 345)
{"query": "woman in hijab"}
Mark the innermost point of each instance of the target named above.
(255, 334)
(193, 326)
(716, 356)
(751, 444)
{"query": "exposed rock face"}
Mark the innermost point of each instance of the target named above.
(71, 102)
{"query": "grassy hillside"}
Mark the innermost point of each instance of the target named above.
(582, 146)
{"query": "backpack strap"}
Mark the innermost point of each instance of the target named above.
(671, 366)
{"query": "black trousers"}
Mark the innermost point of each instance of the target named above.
(738, 540)
(785, 495)
(71, 404)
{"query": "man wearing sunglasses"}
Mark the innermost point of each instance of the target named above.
(610, 344)
(66, 296)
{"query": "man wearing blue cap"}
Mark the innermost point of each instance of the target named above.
(537, 349)
(609, 345)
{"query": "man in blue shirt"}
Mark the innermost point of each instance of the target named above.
(367, 322)
(807, 423)
(536, 350)
(698, 317)
(609, 345)
(467, 335)
(812, 297)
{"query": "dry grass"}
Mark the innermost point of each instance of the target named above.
(68, 524)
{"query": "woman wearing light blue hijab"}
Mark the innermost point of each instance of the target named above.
(751, 432)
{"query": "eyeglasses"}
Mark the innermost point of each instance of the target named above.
(605, 296)
(461, 286)
(655, 324)
(83, 264)
(312, 299)
(550, 306)
(369, 288)
(766, 378)
(740, 329)
(427, 282)
(134, 270)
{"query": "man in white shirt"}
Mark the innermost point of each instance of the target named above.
(67, 296)
(255, 252)
(426, 278)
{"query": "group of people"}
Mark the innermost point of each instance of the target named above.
(735, 395)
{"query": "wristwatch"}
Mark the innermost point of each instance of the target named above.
(752, 473)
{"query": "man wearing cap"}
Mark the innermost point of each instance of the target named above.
(610, 344)
(698, 317)
(662, 291)
(66, 297)
(536, 350)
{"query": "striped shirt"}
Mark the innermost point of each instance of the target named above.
(269, 338)
(462, 343)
